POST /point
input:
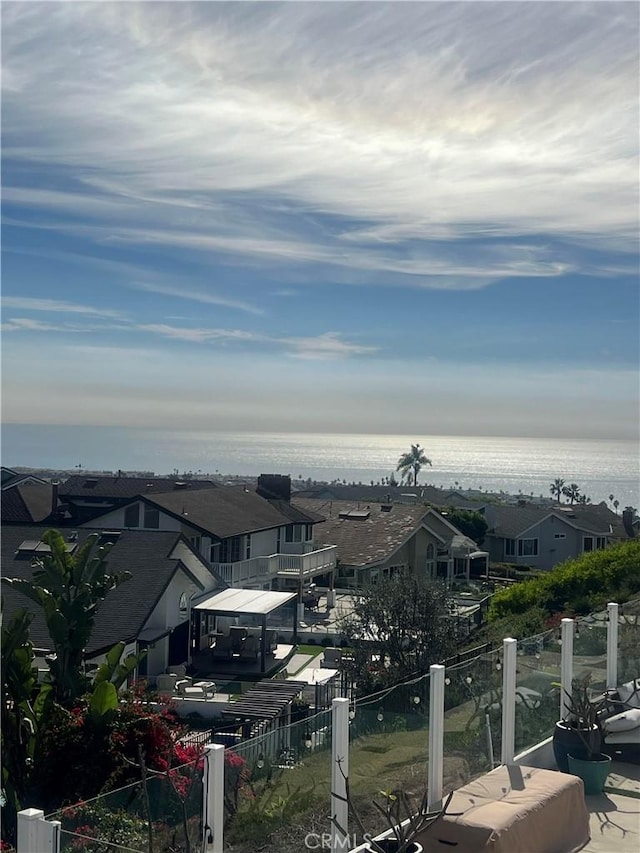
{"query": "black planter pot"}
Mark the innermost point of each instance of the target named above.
(391, 845)
(567, 741)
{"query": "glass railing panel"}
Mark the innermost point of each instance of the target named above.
(472, 719)
(277, 784)
(72, 842)
(629, 643)
(389, 747)
(537, 689)
(166, 809)
(590, 653)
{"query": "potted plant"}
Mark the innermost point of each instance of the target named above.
(577, 739)
(406, 819)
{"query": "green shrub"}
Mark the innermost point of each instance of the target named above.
(587, 581)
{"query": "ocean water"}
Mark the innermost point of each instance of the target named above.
(493, 464)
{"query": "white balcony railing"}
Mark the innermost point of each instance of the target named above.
(263, 569)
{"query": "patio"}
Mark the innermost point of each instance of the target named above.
(235, 633)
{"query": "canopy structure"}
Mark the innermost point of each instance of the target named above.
(247, 602)
(254, 604)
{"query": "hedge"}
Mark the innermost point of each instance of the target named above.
(588, 581)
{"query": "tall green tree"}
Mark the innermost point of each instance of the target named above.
(412, 462)
(572, 491)
(69, 588)
(398, 627)
(557, 488)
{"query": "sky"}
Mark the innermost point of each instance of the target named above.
(342, 217)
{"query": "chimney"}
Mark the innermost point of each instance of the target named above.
(627, 520)
(54, 497)
(274, 487)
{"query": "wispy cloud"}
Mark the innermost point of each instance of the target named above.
(198, 296)
(26, 303)
(517, 119)
(26, 324)
(327, 345)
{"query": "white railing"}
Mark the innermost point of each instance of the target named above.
(261, 569)
(37, 835)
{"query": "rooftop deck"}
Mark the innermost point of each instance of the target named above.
(615, 814)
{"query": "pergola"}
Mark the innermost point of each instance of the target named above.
(255, 603)
(264, 701)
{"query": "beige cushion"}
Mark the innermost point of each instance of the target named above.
(630, 693)
(623, 722)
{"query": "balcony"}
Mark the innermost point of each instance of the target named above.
(261, 570)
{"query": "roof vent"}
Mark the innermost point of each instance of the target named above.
(355, 514)
(109, 537)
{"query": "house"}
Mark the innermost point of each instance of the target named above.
(252, 538)
(150, 610)
(375, 540)
(10, 478)
(29, 503)
(387, 494)
(542, 537)
(86, 497)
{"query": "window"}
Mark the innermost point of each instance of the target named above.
(509, 547)
(308, 532)
(294, 532)
(601, 542)
(527, 547)
(591, 543)
(230, 550)
(151, 517)
(132, 516)
(559, 535)
(279, 541)
(430, 551)
(195, 541)
(183, 605)
(247, 551)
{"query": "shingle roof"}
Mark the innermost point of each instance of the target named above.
(230, 510)
(128, 487)
(511, 521)
(363, 541)
(146, 555)
(27, 504)
(397, 494)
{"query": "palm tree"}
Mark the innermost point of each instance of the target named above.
(572, 491)
(412, 462)
(616, 504)
(556, 488)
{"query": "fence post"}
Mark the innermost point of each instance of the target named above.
(436, 736)
(29, 830)
(339, 752)
(49, 831)
(509, 654)
(213, 799)
(612, 646)
(566, 665)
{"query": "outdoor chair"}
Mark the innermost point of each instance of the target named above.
(166, 682)
(331, 659)
(620, 722)
(186, 690)
(250, 649)
(271, 640)
(179, 669)
(238, 636)
(222, 648)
